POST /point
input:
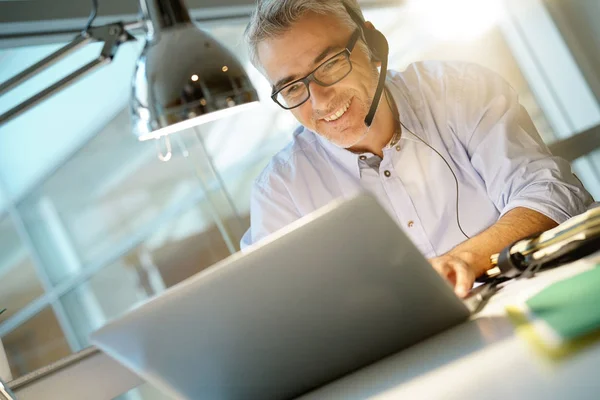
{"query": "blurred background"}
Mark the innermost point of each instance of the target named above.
(92, 223)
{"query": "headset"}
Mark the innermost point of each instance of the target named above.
(379, 47)
(380, 50)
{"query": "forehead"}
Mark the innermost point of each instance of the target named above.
(293, 53)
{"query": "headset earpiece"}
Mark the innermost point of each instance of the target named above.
(377, 43)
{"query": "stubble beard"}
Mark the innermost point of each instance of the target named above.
(350, 136)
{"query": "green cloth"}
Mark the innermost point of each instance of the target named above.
(571, 307)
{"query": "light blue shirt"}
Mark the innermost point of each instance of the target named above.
(473, 118)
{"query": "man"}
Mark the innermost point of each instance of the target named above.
(450, 154)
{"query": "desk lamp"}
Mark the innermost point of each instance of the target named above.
(183, 77)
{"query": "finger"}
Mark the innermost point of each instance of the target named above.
(445, 270)
(442, 268)
(464, 279)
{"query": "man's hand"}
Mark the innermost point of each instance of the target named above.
(461, 265)
(458, 269)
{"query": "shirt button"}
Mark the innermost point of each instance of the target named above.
(411, 224)
(387, 173)
(397, 148)
(363, 158)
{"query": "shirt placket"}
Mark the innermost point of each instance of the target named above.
(402, 204)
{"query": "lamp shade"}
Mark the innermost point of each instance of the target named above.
(183, 76)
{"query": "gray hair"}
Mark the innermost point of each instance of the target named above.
(271, 18)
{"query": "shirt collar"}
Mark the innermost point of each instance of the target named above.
(350, 160)
(347, 159)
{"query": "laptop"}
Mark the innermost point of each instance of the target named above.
(331, 293)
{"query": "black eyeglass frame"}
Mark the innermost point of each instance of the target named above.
(311, 76)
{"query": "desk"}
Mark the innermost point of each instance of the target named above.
(480, 359)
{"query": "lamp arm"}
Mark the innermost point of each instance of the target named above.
(40, 96)
(79, 41)
(113, 35)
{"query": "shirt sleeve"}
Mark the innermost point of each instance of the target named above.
(509, 154)
(270, 210)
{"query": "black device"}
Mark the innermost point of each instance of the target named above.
(575, 238)
(380, 49)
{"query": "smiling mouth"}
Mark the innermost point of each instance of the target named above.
(339, 113)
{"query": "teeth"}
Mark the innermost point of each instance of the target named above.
(338, 113)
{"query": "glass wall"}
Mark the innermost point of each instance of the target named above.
(20, 281)
(110, 225)
(561, 82)
(577, 22)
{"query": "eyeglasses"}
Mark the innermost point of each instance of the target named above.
(328, 73)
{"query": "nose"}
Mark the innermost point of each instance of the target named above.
(321, 96)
